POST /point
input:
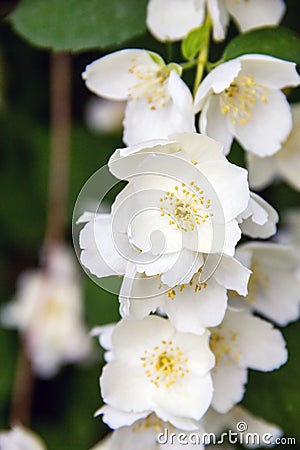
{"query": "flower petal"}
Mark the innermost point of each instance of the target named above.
(258, 345)
(99, 254)
(256, 13)
(142, 123)
(228, 381)
(216, 81)
(192, 311)
(268, 127)
(213, 123)
(110, 76)
(231, 274)
(272, 72)
(262, 171)
(171, 21)
(220, 18)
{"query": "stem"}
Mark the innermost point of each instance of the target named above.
(60, 147)
(22, 391)
(203, 55)
(57, 211)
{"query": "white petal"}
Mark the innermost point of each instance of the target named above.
(216, 81)
(187, 263)
(262, 171)
(200, 148)
(258, 345)
(192, 311)
(288, 158)
(228, 381)
(116, 418)
(191, 399)
(99, 254)
(232, 236)
(124, 393)
(110, 77)
(220, 18)
(171, 21)
(256, 13)
(272, 72)
(213, 123)
(232, 275)
(263, 220)
(268, 127)
(229, 182)
(161, 265)
(281, 302)
(142, 123)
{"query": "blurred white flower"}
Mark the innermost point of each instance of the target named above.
(273, 289)
(217, 423)
(158, 101)
(162, 371)
(193, 306)
(242, 99)
(20, 438)
(284, 164)
(48, 312)
(172, 20)
(240, 342)
(104, 116)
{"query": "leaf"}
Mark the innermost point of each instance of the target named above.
(193, 42)
(279, 42)
(74, 25)
(275, 396)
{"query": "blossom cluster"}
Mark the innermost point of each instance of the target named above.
(190, 295)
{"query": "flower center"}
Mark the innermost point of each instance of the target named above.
(237, 101)
(151, 422)
(152, 85)
(165, 364)
(186, 207)
(259, 282)
(223, 345)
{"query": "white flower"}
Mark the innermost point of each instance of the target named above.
(285, 163)
(104, 116)
(163, 371)
(150, 433)
(241, 342)
(172, 20)
(259, 219)
(273, 289)
(158, 101)
(175, 207)
(247, 14)
(241, 99)
(193, 306)
(263, 433)
(47, 310)
(20, 438)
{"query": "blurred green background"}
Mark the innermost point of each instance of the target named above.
(63, 407)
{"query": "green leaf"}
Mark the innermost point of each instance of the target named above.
(193, 42)
(74, 25)
(275, 396)
(279, 42)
